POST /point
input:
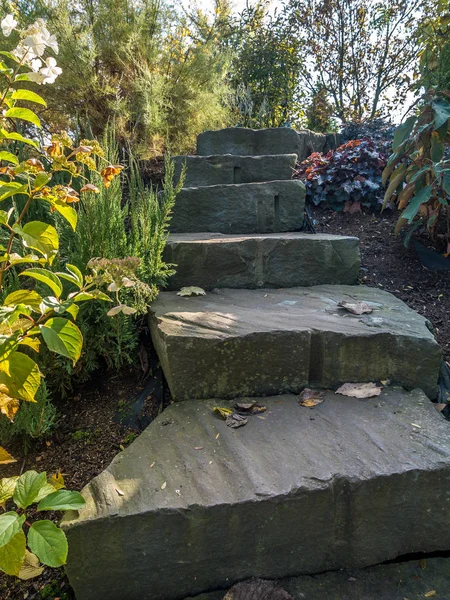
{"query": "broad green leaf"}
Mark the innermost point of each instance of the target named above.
(48, 542)
(7, 487)
(9, 55)
(414, 205)
(13, 554)
(63, 337)
(21, 376)
(73, 275)
(10, 525)
(28, 297)
(25, 114)
(9, 156)
(441, 109)
(29, 96)
(39, 236)
(73, 310)
(17, 137)
(47, 277)
(27, 488)
(93, 295)
(419, 173)
(437, 147)
(16, 259)
(41, 179)
(62, 500)
(11, 189)
(402, 132)
(30, 567)
(446, 183)
(4, 217)
(44, 491)
(66, 211)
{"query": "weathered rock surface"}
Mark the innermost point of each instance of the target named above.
(225, 169)
(193, 505)
(411, 579)
(242, 208)
(273, 260)
(258, 142)
(233, 343)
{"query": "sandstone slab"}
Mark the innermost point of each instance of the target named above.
(225, 169)
(240, 208)
(234, 343)
(193, 505)
(258, 142)
(275, 260)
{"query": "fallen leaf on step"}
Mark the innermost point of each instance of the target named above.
(440, 407)
(356, 308)
(235, 420)
(31, 567)
(191, 291)
(152, 465)
(415, 425)
(120, 492)
(429, 594)
(164, 485)
(199, 447)
(311, 398)
(385, 382)
(252, 408)
(257, 589)
(223, 412)
(423, 564)
(359, 390)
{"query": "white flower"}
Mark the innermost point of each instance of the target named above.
(49, 39)
(36, 64)
(8, 24)
(36, 43)
(51, 71)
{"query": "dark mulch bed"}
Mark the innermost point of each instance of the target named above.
(87, 437)
(387, 264)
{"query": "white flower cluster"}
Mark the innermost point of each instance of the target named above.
(36, 40)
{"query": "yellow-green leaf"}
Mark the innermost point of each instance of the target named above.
(66, 211)
(63, 337)
(7, 486)
(29, 96)
(25, 114)
(10, 525)
(9, 156)
(47, 277)
(39, 236)
(17, 137)
(27, 297)
(21, 375)
(13, 554)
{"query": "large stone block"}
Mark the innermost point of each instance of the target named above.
(193, 505)
(233, 343)
(258, 142)
(224, 169)
(242, 208)
(270, 260)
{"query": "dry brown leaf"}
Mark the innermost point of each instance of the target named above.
(359, 390)
(351, 207)
(199, 447)
(152, 465)
(440, 407)
(429, 594)
(356, 308)
(311, 398)
(252, 408)
(236, 420)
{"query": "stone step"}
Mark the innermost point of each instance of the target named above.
(258, 142)
(240, 208)
(225, 169)
(193, 505)
(233, 343)
(271, 260)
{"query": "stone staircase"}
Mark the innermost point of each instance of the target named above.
(193, 505)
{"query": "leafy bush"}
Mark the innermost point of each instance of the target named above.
(349, 174)
(380, 131)
(41, 306)
(418, 170)
(24, 545)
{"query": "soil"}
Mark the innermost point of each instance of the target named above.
(88, 437)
